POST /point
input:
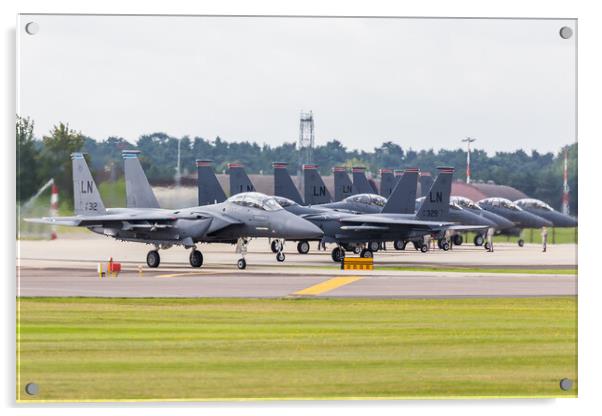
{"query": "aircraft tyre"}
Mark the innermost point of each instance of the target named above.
(478, 240)
(366, 253)
(303, 247)
(275, 246)
(444, 245)
(242, 264)
(153, 259)
(521, 242)
(357, 249)
(399, 245)
(373, 246)
(458, 239)
(196, 258)
(280, 256)
(337, 254)
(424, 248)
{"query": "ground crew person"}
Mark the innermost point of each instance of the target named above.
(544, 238)
(490, 232)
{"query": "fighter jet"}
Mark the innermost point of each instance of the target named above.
(543, 210)
(389, 226)
(509, 210)
(236, 220)
(501, 223)
(372, 203)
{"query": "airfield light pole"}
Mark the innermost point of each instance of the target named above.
(468, 141)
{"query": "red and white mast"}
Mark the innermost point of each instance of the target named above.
(468, 141)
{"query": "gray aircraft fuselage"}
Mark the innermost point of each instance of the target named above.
(543, 210)
(223, 222)
(519, 217)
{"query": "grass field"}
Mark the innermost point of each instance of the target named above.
(533, 235)
(133, 349)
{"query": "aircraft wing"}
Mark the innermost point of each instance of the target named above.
(352, 222)
(137, 220)
(92, 220)
(467, 227)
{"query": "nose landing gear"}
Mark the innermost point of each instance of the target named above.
(241, 247)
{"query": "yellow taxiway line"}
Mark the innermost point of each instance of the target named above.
(327, 286)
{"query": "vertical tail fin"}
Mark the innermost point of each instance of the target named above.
(397, 177)
(87, 200)
(209, 189)
(360, 182)
(315, 190)
(387, 182)
(436, 201)
(403, 196)
(239, 180)
(426, 181)
(138, 192)
(283, 183)
(342, 184)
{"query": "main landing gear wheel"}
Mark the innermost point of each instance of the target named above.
(373, 246)
(357, 249)
(196, 258)
(521, 242)
(424, 248)
(478, 240)
(367, 253)
(275, 246)
(399, 245)
(153, 259)
(444, 245)
(242, 264)
(337, 254)
(303, 247)
(280, 256)
(458, 239)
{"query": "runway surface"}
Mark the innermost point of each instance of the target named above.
(67, 267)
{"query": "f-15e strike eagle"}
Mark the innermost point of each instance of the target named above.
(236, 220)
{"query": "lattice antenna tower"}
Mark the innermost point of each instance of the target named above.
(306, 137)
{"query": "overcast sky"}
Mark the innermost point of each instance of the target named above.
(422, 83)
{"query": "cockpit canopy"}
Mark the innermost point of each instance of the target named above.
(255, 200)
(367, 199)
(533, 203)
(284, 202)
(500, 202)
(464, 202)
(452, 204)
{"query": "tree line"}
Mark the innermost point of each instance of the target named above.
(539, 175)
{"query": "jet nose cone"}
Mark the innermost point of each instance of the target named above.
(297, 228)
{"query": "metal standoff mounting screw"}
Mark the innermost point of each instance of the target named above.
(566, 384)
(31, 389)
